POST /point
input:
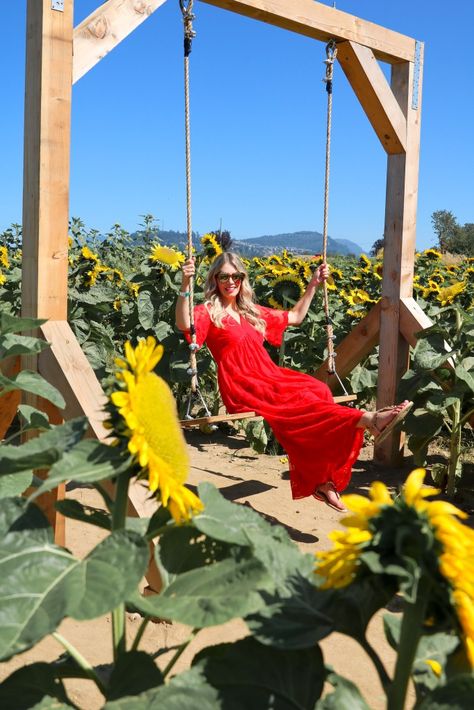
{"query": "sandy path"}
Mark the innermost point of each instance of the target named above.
(244, 477)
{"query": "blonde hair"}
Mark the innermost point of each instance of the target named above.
(245, 300)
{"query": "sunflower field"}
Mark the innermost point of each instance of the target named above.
(121, 289)
(218, 562)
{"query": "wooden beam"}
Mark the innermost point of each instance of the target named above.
(313, 19)
(9, 401)
(65, 364)
(355, 347)
(412, 320)
(375, 95)
(46, 160)
(105, 28)
(47, 501)
(399, 254)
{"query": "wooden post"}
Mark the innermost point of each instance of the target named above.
(46, 159)
(48, 90)
(399, 252)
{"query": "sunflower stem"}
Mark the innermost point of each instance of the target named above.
(178, 653)
(119, 514)
(410, 633)
(80, 660)
(455, 448)
(140, 632)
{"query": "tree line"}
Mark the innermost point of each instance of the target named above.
(452, 237)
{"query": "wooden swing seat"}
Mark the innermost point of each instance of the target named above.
(189, 423)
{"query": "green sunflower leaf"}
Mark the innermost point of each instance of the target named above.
(250, 675)
(89, 461)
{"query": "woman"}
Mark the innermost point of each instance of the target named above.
(322, 439)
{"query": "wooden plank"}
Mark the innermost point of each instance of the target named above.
(105, 28)
(355, 347)
(9, 401)
(375, 95)
(412, 320)
(399, 255)
(47, 501)
(188, 423)
(65, 364)
(46, 160)
(316, 20)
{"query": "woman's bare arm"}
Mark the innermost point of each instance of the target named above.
(182, 304)
(297, 314)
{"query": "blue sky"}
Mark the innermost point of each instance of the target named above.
(258, 125)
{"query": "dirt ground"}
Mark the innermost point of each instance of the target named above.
(244, 477)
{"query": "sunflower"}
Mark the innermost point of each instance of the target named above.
(358, 314)
(448, 294)
(166, 255)
(339, 565)
(4, 257)
(365, 263)
(469, 272)
(357, 297)
(279, 269)
(456, 561)
(432, 287)
(285, 288)
(212, 248)
(432, 254)
(3, 278)
(377, 269)
(151, 428)
(92, 275)
(86, 253)
(448, 547)
(134, 288)
(303, 270)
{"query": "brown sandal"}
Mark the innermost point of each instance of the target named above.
(381, 434)
(322, 496)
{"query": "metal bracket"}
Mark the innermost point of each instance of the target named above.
(57, 5)
(416, 75)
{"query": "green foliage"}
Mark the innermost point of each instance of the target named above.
(453, 237)
(226, 563)
(440, 381)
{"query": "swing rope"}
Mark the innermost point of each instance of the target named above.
(189, 34)
(331, 54)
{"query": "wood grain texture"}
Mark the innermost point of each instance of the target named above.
(375, 95)
(46, 160)
(316, 20)
(105, 28)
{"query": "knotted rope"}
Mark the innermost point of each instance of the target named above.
(189, 34)
(331, 54)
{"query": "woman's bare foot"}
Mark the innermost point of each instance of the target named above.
(328, 494)
(377, 422)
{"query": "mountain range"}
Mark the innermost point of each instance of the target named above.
(295, 242)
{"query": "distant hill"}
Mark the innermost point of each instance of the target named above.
(296, 242)
(299, 242)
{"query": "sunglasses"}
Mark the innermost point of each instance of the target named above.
(236, 278)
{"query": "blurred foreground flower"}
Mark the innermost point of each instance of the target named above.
(152, 430)
(431, 541)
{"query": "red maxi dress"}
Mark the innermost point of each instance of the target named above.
(319, 436)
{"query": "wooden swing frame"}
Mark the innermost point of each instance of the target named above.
(59, 54)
